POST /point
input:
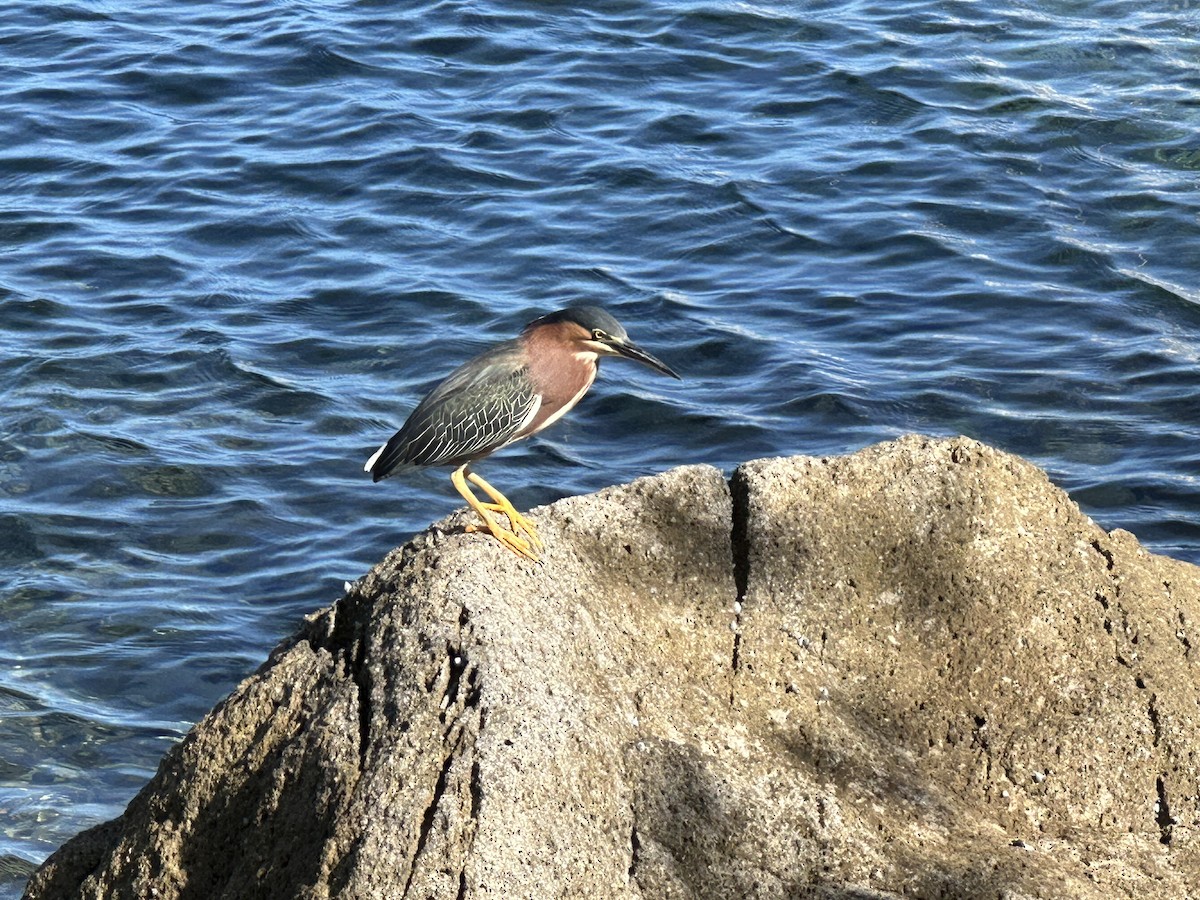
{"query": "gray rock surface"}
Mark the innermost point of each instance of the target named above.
(915, 671)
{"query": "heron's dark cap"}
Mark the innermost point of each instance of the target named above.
(589, 318)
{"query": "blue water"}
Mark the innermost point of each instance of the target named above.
(238, 239)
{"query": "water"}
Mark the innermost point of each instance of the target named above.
(238, 239)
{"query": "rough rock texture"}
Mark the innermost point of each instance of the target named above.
(916, 671)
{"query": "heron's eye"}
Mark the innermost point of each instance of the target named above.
(598, 335)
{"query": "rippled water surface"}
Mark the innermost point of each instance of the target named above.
(238, 239)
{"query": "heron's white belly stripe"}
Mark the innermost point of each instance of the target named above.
(567, 407)
(532, 414)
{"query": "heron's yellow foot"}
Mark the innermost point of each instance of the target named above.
(520, 524)
(509, 539)
(503, 504)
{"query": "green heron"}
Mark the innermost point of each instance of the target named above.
(504, 395)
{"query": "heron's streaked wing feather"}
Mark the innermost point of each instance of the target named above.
(479, 408)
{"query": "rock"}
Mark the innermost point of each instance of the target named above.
(915, 671)
(992, 696)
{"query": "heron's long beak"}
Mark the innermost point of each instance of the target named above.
(630, 350)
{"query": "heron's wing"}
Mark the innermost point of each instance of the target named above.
(479, 408)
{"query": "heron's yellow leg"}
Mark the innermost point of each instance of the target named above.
(509, 539)
(518, 522)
